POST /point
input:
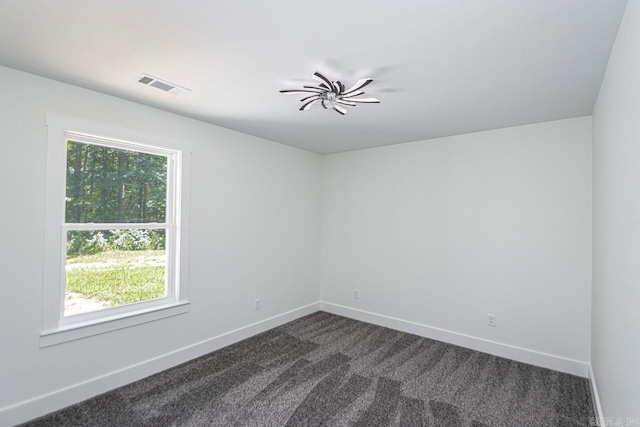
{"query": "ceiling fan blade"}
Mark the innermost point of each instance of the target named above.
(340, 110)
(294, 91)
(345, 102)
(309, 97)
(359, 85)
(365, 100)
(308, 105)
(356, 93)
(324, 80)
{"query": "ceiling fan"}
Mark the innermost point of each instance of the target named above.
(333, 95)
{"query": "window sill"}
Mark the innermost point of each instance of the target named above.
(101, 326)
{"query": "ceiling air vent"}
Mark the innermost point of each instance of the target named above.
(163, 85)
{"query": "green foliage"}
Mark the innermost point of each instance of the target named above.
(109, 185)
(126, 278)
(85, 242)
(136, 240)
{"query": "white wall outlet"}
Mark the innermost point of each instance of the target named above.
(258, 304)
(491, 320)
(356, 294)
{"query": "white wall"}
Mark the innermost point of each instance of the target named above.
(255, 232)
(615, 337)
(443, 232)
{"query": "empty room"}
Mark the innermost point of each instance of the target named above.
(338, 213)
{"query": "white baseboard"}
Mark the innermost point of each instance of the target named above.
(58, 399)
(596, 397)
(519, 354)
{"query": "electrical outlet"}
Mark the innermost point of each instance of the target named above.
(356, 294)
(258, 304)
(491, 320)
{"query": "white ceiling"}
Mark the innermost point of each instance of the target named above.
(441, 67)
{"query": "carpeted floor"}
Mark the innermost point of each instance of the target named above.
(327, 370)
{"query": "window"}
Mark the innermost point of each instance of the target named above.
(115, 234)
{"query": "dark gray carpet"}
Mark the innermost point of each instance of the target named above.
(327, 370)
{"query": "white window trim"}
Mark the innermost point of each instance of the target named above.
(56, 328)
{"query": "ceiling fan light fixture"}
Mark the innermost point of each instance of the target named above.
(332, 94)
(330, 100)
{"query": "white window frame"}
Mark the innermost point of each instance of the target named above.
(57, 328)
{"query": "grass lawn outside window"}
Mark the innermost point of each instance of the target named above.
(113, 277)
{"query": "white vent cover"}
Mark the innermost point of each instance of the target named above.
(163, 85)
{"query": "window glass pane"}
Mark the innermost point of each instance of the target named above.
(112, 185)
(107, 268)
